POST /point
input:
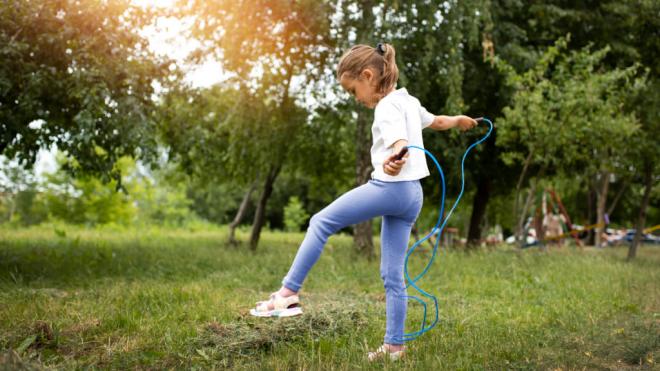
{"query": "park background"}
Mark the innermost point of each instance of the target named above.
(161, 160)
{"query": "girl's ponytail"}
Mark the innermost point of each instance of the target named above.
(390, 72)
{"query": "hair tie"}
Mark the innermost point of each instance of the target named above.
(380, 48)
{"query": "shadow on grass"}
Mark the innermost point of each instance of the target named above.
(621, 343)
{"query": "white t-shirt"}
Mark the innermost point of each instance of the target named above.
(399, 115)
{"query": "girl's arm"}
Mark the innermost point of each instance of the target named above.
(447, 122)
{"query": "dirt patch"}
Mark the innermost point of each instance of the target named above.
(43, 335)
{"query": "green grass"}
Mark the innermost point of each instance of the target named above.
(163, 298)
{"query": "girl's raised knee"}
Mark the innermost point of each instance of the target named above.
(320, 223)
(393, 284)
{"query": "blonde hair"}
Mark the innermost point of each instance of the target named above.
(381, 59)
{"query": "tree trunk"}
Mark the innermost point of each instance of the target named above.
(363, 232)
(478, 211)
(12, 208)
(260, 213)
(591, 216)
(623, 188)
(516, 203)
(521, 234)
(604, 187)
(538, 223)
(241, 212)
(641, 219)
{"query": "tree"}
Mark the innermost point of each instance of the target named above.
(630, 28)
(87, 200)
(566, 113)
(17, 190)
(294, 215)
(645, 152)
(273, 48)
(78, 75)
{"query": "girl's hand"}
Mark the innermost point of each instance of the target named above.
(393, 167)
(464, 122)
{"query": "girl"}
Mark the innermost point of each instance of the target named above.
(394, 191)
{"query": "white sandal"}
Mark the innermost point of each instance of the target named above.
(382, 352)
(282, 307)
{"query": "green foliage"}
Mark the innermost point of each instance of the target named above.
(216, 202)
(324, 162)
(294, 215)
(251, 125)
(19, 197)
(567, 111)
(31, 207)
(277, 38)
(77, 74)
(161, 203)
(150, 199)
(87, 200)
(523, 31)
(193, 125)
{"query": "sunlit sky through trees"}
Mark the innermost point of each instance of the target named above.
(165, 38)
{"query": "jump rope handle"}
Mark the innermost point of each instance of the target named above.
(482, 119)
(402, 153)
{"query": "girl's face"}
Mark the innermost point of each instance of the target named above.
(361, 88)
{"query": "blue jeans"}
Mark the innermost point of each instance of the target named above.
(399, 203)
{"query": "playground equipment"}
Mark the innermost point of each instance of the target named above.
(551, 223)
(550, 220)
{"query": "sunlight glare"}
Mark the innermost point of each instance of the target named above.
(154, 3)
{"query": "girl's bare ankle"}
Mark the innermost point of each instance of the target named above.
(394, 347)
(285, 292)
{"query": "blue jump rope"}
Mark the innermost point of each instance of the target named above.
(438, 228)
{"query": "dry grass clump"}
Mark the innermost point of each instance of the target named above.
(250, 335)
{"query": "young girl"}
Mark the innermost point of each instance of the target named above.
(394, 191)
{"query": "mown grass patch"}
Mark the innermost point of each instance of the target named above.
(326, 318)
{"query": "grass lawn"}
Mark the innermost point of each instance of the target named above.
(166, 298)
